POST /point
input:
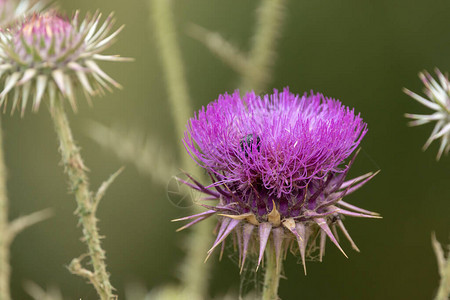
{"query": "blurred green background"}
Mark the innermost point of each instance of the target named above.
(361, 52)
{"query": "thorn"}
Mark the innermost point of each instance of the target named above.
(264, 233)
(323, 240)
(104, 186)
(274, 216)
(290, 225)
(278, 238)
(347, 235)
(302, 231)
(251, 218)
(246, 236)
(324, 226)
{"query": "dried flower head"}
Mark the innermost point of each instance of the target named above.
(11, 10)
(275, 162)
(438, 100)
(48, 55)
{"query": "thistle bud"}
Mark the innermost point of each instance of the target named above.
(48, 56)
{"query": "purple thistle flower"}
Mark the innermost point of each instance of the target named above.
(275, 162)
(48, 55)
(438, 94)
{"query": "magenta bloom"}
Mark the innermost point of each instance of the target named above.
(276, 162)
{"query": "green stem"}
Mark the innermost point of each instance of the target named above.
(5, 240)
(194, 272)
(172, 63)
(444, 287)
(262, 53)
(79, 185)
(272, 275)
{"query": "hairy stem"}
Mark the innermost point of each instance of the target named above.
(194, 273)
(172, 63)
(5, 268)
(79, 185)
(272, 275)
(270, 17)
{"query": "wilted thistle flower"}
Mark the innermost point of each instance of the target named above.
(439, 101)
(275, 162)
(10, 10)
(47, 55)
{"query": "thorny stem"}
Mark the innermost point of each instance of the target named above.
(76, 171)
(272, 275)
(262, 53)
(5, 268)
(194, 273)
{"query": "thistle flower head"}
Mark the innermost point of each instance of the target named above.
(47, 55)
(276, 165)
(438, 94)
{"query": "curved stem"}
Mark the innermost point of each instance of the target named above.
(79, 185)
(5, 268)
(272, 275)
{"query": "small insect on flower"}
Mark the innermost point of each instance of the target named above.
(248, 142)
(277, 166)
(438, 100)
(47, 55)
